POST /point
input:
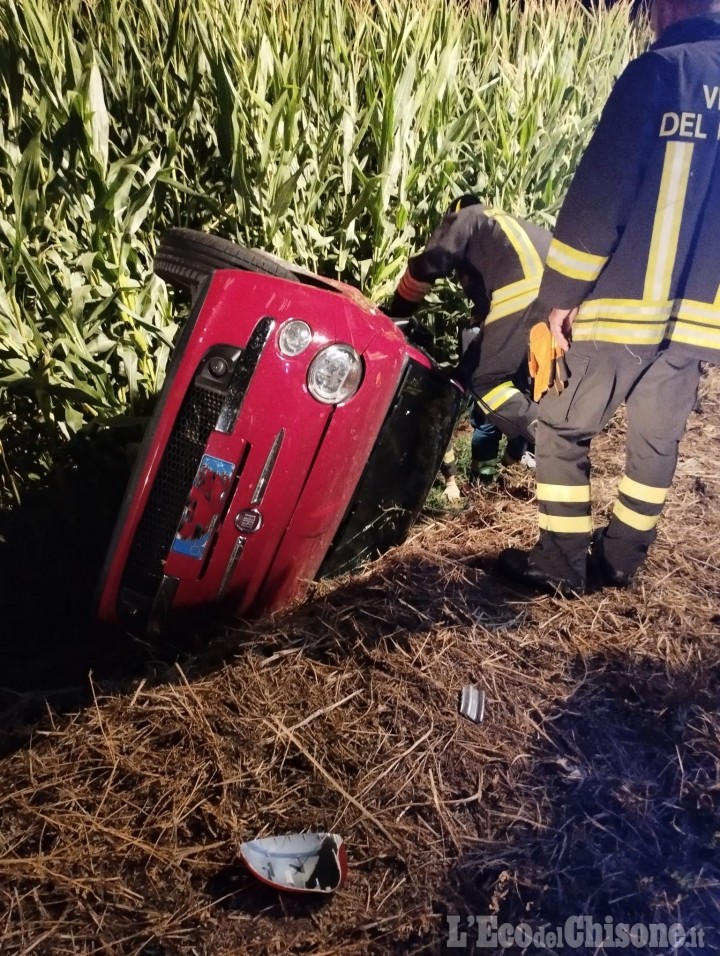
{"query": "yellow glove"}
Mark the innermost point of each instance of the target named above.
(546, 361)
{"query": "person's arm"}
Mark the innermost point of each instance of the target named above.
(445, 251)
(449, 472)
(601, 194)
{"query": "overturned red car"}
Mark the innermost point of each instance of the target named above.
(297, 435)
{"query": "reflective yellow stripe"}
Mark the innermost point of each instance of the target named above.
(573, 262)
(616, 332)
(632, 518)
(563, 492)
(448, 457)
(499, 395)
(668, 216)
(634, 321)
(698, 323)
(530, 261)
(631, 310)
(626, 320)
(648, 493)
(581, 525)
(515, 289)
(692, 335)
(640, 322)
(510, 308)
(706, 312)
(516, 303)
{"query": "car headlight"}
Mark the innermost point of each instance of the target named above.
(294, 337)
(335, 374)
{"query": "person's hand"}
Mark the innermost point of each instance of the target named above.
(397, 307)
(546, 363)
(451, 491)
(420, 335)
(560, 322)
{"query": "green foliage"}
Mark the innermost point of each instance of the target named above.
(333, 133)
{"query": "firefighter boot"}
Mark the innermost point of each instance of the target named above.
(550, 566)
(483, 472)
(601, 570)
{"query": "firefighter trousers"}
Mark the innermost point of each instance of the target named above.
(659, 389)
(494, 368)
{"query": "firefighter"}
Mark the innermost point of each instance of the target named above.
(632, 279)
(498, 261)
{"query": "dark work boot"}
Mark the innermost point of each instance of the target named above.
(483, 472)
(519, 566)
(600, 569)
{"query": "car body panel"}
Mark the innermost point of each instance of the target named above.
(244, 477)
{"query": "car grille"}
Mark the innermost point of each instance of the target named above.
(159, 522)
(212, 402)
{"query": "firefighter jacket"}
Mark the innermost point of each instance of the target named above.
(635, 246)
(497, 259)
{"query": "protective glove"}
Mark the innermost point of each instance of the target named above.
(546, 361)
(398, 307)
(419, 334)
(451, 491)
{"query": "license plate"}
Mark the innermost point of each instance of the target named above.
(204, 505)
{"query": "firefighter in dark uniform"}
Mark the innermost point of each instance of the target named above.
(633, 284)
(498, 261)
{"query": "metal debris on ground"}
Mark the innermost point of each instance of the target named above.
(298, 862)
(472, 703)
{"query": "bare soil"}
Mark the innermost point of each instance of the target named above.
(591, 787)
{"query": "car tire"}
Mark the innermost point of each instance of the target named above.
(186, 257)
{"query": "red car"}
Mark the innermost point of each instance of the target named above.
(298, 434)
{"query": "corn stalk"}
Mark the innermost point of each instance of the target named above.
(332, 133)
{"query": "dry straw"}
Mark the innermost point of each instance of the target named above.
(590, 787)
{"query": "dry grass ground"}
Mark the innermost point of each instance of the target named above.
(592, 786)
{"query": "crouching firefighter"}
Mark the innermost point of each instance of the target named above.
(498, 261)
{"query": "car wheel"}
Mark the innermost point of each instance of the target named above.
(185, 257)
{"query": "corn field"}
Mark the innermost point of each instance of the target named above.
(331, 132)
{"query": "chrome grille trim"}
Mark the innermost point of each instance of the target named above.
(267, 470)
(235, 556)
(242, 374)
